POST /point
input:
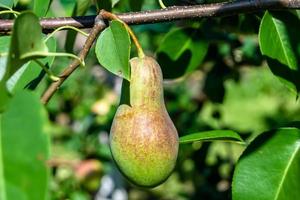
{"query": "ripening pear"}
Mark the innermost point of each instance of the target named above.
(143, 139)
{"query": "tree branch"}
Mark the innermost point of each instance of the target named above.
(168, 14)
(144, 17)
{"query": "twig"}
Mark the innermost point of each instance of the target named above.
(99, 25)
(168, 14)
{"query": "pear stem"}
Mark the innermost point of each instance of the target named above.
(108, 15)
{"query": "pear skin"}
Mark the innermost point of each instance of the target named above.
(143, 139)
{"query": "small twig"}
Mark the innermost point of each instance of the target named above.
(54, 86)
(110, 16)
(66, 27)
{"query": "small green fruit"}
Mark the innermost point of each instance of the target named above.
(143, 139)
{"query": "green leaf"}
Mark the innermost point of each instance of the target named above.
(181, 52)
(4, 95)
(24, 149)
(136, 5)
(125, 92)
(4, 46)
(113, 49)
(269, 168)
(26, 43)
(40, 7)
(7, 3)
(226, 135)
(104, 4)
(279, 43)
(114, 2)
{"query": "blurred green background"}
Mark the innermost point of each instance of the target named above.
(231, 88)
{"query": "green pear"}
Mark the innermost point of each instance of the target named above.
(143, 139)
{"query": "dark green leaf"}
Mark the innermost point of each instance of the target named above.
(24, 148)
(226, 135)
(136, 5)
(125, 93)
(279, 43)
(269, 168)
(4, 96)
(181, 52)
(113, 49)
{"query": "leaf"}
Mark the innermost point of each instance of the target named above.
(181, 52)
(114, 2)
(136, 5)
(104, 4)
(269, 168)
(226, 135)
(279, 43)
(41, 7)
(4, 46)
(26, 43)
(7, 3)
(4, 95)
(125, 92)
(24, 148)
(113, 49)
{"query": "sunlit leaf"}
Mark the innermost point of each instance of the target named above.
(113, 49)
(225, 135)
(269, 168)
(24, 149)
(279, 43)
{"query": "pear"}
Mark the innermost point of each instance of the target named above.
(143, 139)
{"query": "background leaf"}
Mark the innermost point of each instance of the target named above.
(8, 3)
(136, 5)
(113, 49)
(181, 52)
(23, 132)
(270, 167)
(81, 7)
(225, 135)
(279, 43)
(40, 7)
